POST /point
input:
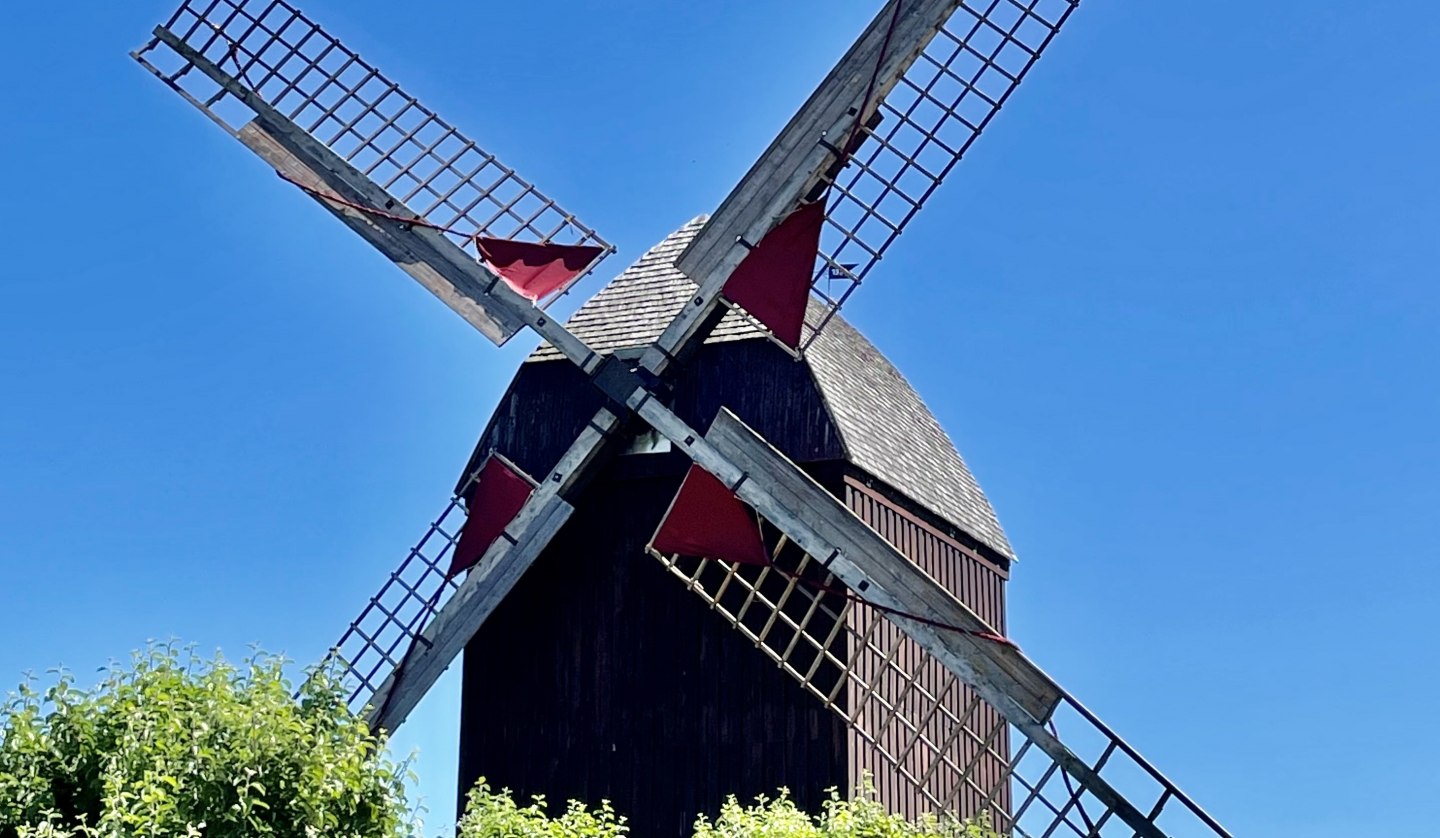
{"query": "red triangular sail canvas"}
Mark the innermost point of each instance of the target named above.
(707, 520)
(536, 270)
(498, 495)
(772, 282)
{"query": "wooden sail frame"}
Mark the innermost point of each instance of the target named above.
(257, 66)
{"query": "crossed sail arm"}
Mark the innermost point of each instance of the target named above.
(334, 126)
(391, 169)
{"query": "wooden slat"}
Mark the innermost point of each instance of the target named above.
(822, 526)
(795, 160)
(462, 283)
(877, 564)
(492, 578)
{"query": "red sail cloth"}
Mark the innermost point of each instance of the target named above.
(707, 520)
(499, 493)
(536, 270)
(772, 282)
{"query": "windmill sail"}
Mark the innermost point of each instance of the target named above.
(918, 130)
(960, 713)
(932, 74)
(415, 626)
(948, 705)
(926, 727)
(338, 128)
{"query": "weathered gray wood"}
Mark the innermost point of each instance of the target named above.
(795, 160)
(493, 322)
(588, 450)
(492, 578)
(464, 284)
(864, 561)
(462, 615)
(881, 571)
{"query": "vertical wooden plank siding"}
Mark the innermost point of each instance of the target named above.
(917, 759)
(599, 677)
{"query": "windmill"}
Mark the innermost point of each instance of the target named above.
(821, 522)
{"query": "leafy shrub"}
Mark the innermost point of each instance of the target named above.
(863, 816)
(496, 815)
(489, 814)
(173, 745)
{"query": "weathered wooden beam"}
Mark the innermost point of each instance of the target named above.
(860, 557)
(462, 283)
(492, 578)
(877, 570)
(827, 530)
(797, 158)
(461, 295)
(487, 584)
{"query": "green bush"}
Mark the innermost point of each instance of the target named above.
(490, 814)
(172, 745)
(496, 815)
(862, 816)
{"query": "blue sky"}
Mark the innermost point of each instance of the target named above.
(1178, 309)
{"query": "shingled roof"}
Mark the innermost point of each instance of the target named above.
(885, 427)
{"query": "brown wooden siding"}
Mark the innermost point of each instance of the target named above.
(601, 677)
(915, 765)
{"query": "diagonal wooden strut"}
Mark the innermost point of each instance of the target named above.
(491, 579)
(810, 146)
(487, 584)
(462, 283)
(795, 161)
(848, 548)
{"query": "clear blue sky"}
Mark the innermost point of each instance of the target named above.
(1178, 309)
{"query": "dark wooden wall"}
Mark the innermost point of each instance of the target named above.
(549, 402)
(601, 677)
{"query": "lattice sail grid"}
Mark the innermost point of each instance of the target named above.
(919, 728)
(391, 623)
(344, 102)
(919, 131)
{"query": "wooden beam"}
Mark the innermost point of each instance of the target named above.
(487, 584)
(460, 294)
(827, 530)
(796, 159)
(877, 570)
(492, 578)
(462, 283)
